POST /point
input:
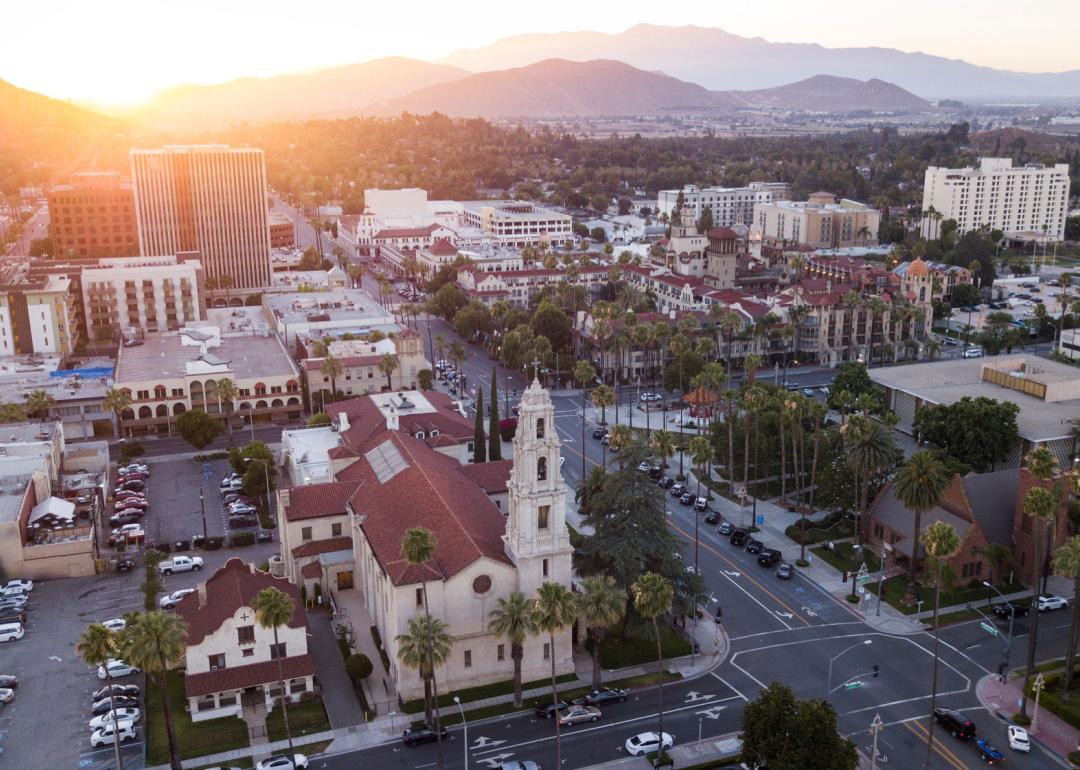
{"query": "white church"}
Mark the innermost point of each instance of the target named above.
(346, 536)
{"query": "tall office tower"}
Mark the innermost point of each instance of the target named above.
(205, 198)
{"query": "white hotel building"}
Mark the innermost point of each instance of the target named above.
(729, 205)
(517, 224)
(150, 294)
(1024, 199)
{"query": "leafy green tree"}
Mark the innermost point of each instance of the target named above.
(920, 484)
(358, 666)
(198, 428)
(964, 294)
(273, 609)
(318, 420)
(554, 610)
(494, 437)
(552, 322)
(513, 620)
(154, 642)
(472, 320)
(479, 439)
(446, 302)
(853, 380)
(653, 597)
(601, 604)
(786, 733)
(426, 379)
(981, 432)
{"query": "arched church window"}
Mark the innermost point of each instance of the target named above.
(541, 469)
(540, 428)
(922, 294)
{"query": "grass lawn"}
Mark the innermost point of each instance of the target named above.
(194, 738)
(1052, 699)
(483, 691)
(843, 559)
(240, 764)
(897, 586)
(305, 718)
(835, 526)
(620, 653)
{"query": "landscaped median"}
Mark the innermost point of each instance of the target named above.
(976, 595)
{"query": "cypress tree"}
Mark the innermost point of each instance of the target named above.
(479, 447)
(494, 437)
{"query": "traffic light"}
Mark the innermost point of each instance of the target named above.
(877, 670)
(846, 573)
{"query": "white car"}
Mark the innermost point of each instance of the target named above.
(647, 743)
(110, 734)
(14, 590)
(7, 695)
(115, 624)
(173, 599)
(25, 585)
(1051, 602)
(1018, 739)
(116, 668)
(283, 762)
(122, 715)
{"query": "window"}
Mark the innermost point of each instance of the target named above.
(245, 635)
(335, 530)
(500, 652)
(419, 597)
(305, 533)
(206, 703)
(547, 650)
(542, 514)
(545, 566)
(247, 652)
(216, 661)
(468, 658)
(298, 685)
(541, 469)
(540, 428)
(278, 651)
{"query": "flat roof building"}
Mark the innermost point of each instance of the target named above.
(517, 223)
(821, 221)
(729, 205)
(93, 215)
(292, 313)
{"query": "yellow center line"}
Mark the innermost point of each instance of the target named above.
(725, 559)
(923, 733)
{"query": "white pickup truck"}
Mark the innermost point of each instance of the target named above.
(180, 564)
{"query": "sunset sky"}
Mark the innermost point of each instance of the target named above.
(122, 51)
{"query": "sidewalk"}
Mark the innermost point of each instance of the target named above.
(1052, 733)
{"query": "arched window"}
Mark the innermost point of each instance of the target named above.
(540, 428)
(159, 391)
(541, 469)
(922, 294)
(420, 435)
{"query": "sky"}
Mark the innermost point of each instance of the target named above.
(117, 52)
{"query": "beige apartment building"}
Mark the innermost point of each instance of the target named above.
(206, 198)
(360, 361)
(38, 314)
(821, 221)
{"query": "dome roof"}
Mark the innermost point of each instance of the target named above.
(918, 268)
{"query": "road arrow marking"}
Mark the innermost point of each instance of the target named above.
(495, 761)
(483, 742)
(809, 612)
(694, 697)
(787, 615)
(55, 659)
(712, 713)
(731, 574)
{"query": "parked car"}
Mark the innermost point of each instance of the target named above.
(12, 615)
(701, 504)
(127, 714)
(117, 690)
(1047, 603)
(725, 528)
(1018, 739)
(414, 736)
(988, 753)
(769, 557)
(9, 681)
(686, 498)
(655, 472)
(130, 532)
(125, 517)
(133, 486)
(955, 722)
(124, 495)
(545, 708)
(785, 571)
(26, 585)
(237, 497)
(110, 734)
(284, 762)
(712, 517)
(754, 546)
(7, 695)
(578, 714)
(104, 706)
(606, 695)
(15, 590)
(242, 509)
(1004, 609)
(648, 743)
(181, 564)
(677, 490)
(169, 602)
(599, 433)
(739, 536)
(644, 466)
(240, 522)
(15, 600)
(116, 669)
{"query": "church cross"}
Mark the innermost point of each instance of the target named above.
(244, 615)
(536, 369)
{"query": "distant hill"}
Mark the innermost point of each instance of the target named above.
(720, 60)
(336, 92)
(555, 87)
(828, 93)
(1006, 142)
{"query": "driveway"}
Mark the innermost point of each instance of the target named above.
(337, 691)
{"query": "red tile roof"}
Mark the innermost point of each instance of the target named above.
(365, 419)
(316, 500)
(311, 570)
(239, 677)
(443, 248)
(315, 547)
(231, 587)
(407, 232)
(722, 233)
(341, 453)
(491, 477)
(432, 492)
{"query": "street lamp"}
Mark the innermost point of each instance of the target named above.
(828, 684)
(1012, 618)
(465, 723)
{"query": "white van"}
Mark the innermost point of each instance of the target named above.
(9, 632)
(973, 353)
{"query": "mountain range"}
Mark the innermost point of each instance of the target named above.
(719, 60)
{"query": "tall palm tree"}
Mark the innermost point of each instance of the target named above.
(941, 543)
(331, 368)
(418, 547)
(701, 453)
(653, 595)
(97, 646)
(1041, 504)
(620, 439)
(584, 375)
(227, 393)
(663, 441)
(274, 608)
(752, 399)
(868, 449)
(513, 620)
(602, 397)
(424, 647)
(602, 604)
(116, 401)
(1067, 562)
(38, 403)
(920, 483)
(553, 610)
(440, 348)
(154, 642)
(388, 364)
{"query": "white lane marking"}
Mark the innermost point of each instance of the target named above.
(694, 696)
(729, 686)
(756, 601)
(712, 713)
(800, 628)
(483, 742)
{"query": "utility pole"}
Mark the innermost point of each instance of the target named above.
(202, 508)
(875, 728)
(1038, 687)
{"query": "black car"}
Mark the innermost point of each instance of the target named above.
(655, 472)
(414, 736)
(769, 557)
(599, 433)
(12, 615)
(686, 498)
(738, 536)
(725, 528)
(665, 482)
(133, 486)
(605, 696)
(712, 517)
(677, 490)
(754, 546)
(955, 722)
(238, 522)
(264, 536)
(545, 708)
(1002, 610)
(119, 690)
(9, 681)
(103, 707)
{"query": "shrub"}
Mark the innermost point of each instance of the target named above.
(802, 563)
(318, 419)
(237, 539)
(507, 428)
(266, 521)
(133, 449)
(213, 543)
(208, 457)
(1023, 721)
(358, 667)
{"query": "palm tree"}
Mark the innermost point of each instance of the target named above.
(701, 453)
(513, 620)
(920, 483)
(154, 642)
(1067, 562)
(227, 393)
(603, 396)
(418, 547)
(274, 608)
(97, 646)
(941, 543)
(424, 647)
(868, 449)
(440, 348)
(554, 610)
(663, 441)
(620, 439)
(331, 368)
(1041, 504)
(932, 348)
(457, 353)
(388, 363)
(116, 401)
(653, 595)
(38, 403)
(602, 604)
(12, 413)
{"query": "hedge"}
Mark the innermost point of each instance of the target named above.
(237, 539)
(213, 543)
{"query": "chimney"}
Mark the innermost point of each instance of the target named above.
(283, 498)
(343, 422)
(392, 419)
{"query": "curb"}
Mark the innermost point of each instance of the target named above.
(986, 704)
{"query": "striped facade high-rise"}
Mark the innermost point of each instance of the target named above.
(205, 198)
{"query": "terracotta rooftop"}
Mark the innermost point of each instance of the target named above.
(239, 677)
(492, 477)
(443, 248)
(407, 232)
(316, 500)
(316, 547)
